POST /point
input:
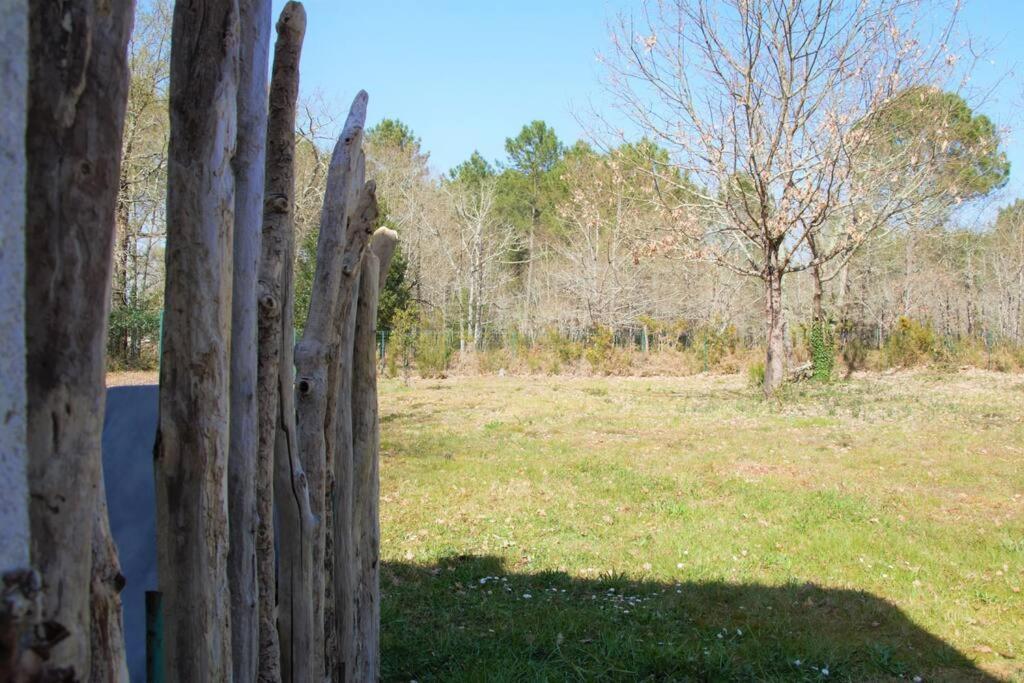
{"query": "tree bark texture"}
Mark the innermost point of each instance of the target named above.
(191, 452)
(249, 169)
(277, 248)
(77, 94)
(341, 650)
(109, 656)
(14, 517)
(313, 357)
(366, 454)
(296, 523)
(338, 424)
(775, 357)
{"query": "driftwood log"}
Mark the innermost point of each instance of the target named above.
(343, 311)
(249, 169)
(341, 650)
(246, 452)
(291, 495)
(77, 95)
(296, 520)
(191, 452)
(277, 249)
(366, 452)
(339, 236)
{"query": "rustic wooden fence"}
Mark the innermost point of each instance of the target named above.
(266, 456)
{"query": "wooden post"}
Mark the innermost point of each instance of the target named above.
(249, 169)
(77, 95)
(342, 651)
(15, 605)
(297, 523)
(277, 250)
(341, 241)
(191, 452)
(337, 423)
(274, 472)
(366, 445)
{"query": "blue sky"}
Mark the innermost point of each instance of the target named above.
(466, 74)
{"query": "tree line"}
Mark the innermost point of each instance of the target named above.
(750, 220)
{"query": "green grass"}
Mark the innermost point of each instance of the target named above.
(685, 529)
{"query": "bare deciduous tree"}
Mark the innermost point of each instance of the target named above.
(769, 108)
(605, 214)
(474, 242)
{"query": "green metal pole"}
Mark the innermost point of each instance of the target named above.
(154, 637)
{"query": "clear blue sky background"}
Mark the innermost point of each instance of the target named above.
(466, 74)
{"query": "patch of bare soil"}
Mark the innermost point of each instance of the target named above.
(132, 378)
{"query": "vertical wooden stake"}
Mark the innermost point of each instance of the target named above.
(274, 332)
(191, 453)
(366, 456)
(249, 169)
(340, 242)
(77, 96)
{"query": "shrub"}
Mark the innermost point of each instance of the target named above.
(852, 347)
(602, 355)
(755, 374)
(911, 343)
(492, 361)
(564, 349)
(433, 353)
(713, 344)
(600, 350)
(133, 337)
(401, 347)
(1005, 358)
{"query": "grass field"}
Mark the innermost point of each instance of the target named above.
(685, 529)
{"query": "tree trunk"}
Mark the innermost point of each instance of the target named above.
(818, 298)
(843, 296)
(78, 86)
(528, 302)
(249, 168)
(109, 658)
(366, 445)
(340, 242)
(775, 322)
(14, 515)
(274, 291)
(191, 452)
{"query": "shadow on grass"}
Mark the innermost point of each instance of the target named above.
(471, 618)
